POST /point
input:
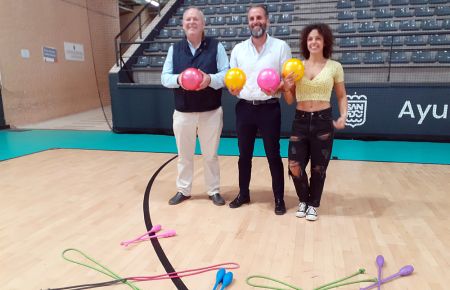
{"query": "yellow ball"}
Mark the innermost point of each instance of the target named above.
(235, 79)
(293, 65)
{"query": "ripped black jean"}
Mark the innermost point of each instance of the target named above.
(311, 139)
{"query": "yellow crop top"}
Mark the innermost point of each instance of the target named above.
(320, 87)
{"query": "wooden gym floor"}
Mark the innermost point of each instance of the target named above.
(92, 200)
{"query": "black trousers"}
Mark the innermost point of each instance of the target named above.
(311, 139)
(265, 118)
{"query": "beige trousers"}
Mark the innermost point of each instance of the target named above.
(208, 127)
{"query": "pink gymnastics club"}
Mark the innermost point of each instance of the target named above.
(150, 235)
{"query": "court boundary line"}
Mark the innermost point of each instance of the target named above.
(148, 223)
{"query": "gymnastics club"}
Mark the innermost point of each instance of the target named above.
(380, 263)
(405, 271)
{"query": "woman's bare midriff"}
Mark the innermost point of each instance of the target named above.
(313, 106)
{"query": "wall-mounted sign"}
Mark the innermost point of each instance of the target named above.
(73, 51)
(25, 53)
(49, 54)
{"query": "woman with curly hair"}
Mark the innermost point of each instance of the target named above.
(313, 126)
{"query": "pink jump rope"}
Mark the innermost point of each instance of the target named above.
(95, 265)
(150, 235)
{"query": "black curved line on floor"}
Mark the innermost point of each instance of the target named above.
(148, 223)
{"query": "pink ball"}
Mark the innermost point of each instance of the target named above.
(268, 79)
(191, 79)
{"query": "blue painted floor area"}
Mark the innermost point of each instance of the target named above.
(19, 143)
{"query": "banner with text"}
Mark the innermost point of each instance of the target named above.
(397, 111)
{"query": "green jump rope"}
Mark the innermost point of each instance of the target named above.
(334, 284)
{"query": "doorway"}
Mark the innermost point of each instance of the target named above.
(2, 115)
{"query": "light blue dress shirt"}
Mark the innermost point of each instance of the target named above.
(169, 79)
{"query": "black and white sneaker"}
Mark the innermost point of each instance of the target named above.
(311, 213)
(301, 211)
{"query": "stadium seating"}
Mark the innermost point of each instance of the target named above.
(373, 57)
(418, 2)
(285, 18)
(384, 13)
(344, 4)
(364, 14)
(350, 58)
(415, 40)
(153, 47)
(398, 57)
(429, 24)
(212, 32)
(387, 26)
(446, 24)
(177, 33)
(392, 40)
(366, 27)
(272, 8)
(209, 10)
(346, 28)
(442, 10)
(422, 57)
(234, 20)
(399, 2)
(224, 10)
(173, 22)
(378, 3)
(245, 32)
(370, 33)
(408, 25)
(423, 11)
(437, 1)
(157, 61)
(348, 42)
(403, 12)
(362, 3)
(370, 41)
(345, 15)
(230, 32)
(437, 39)
(283, 30)
(142, 61)
(286, 7)
(165, 46)
(165, 33)
(443, 56)
(239, 9)
(180, 11)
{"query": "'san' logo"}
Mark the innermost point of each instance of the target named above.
(357, 107)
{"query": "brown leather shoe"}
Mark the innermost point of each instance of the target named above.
(177, 198)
